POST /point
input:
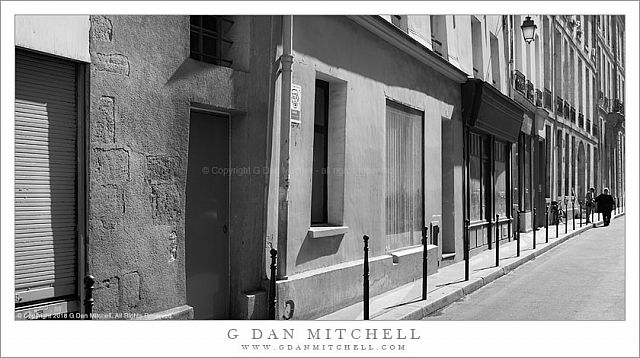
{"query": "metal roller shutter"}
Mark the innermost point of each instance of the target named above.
(46, 178)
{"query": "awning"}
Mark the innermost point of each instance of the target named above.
(487, 109)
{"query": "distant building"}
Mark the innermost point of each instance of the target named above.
(166, 155)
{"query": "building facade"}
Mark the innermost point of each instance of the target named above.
(165, 156)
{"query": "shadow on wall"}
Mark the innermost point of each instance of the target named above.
(312, 249)
(191, 68)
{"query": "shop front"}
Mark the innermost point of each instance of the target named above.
(492, 126)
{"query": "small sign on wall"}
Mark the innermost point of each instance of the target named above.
(296, 103)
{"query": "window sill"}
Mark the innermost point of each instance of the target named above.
(319, 232)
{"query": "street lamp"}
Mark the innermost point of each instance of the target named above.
(528, 29)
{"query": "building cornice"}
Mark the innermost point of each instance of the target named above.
(404, 42)
(590, 138)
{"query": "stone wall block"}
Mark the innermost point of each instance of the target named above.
(106, 296)
(130, 287)
(162, 168)
(104, 125)
(115, 63)
(101, 28)
(110, 166)
(165, 204)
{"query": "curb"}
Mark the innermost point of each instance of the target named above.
(422, 310)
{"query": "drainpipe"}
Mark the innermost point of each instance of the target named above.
(286, 61)
(554, 95)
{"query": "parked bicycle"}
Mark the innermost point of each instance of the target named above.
(557, 212)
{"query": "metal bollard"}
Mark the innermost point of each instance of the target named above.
(509, 228)
(424, 263)
(273, 299)
(573, 214)
(580, 203)
(497, 241)
(89, 281)
(365, 295)
(566, 221)
(489, 229)
(466, 250)
(518, 235)
(546, 224)
(557, 216)
(534, 228)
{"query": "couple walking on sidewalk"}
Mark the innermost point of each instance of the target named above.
(604, 204)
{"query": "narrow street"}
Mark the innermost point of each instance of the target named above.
(582, 279)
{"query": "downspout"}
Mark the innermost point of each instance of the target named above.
(286, 61)
(554, 95)
(513, 219)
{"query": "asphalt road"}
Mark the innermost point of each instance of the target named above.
(581, 279)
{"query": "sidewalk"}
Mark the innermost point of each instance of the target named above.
(448, 285)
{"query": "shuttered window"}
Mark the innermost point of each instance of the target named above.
(404, 177)
(46, 172)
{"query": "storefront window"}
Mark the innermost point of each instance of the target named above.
(527, 172)
(500, 179)
(547, 155)
(475, 177)
(515, 178)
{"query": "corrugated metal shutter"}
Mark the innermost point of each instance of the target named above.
(46, 177)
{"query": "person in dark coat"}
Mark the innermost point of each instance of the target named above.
(605, 204)
(590, 204)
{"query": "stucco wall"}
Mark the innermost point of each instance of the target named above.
(373, 71)
(61, 35)
(142, 83)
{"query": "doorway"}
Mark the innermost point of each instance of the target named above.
(207, 216)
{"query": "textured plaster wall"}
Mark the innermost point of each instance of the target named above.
(142, 83)
(373, 71)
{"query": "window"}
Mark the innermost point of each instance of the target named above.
(588, 163)
(400, 21)
(438, 34)
(476, 188)
(574, 169)
(404, 176)
(500, 177)
(547, 155)
(476, 39)
(524, 150)
(559, 163)
(320, 155)
(515, 178)
(209, 39)
(326, 211)
(566, 165)
(495, 61)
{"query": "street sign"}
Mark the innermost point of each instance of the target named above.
(296, 103)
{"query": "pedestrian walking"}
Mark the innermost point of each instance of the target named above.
(605, 205)
(590, 203)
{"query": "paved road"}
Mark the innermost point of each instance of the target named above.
(581, 279)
